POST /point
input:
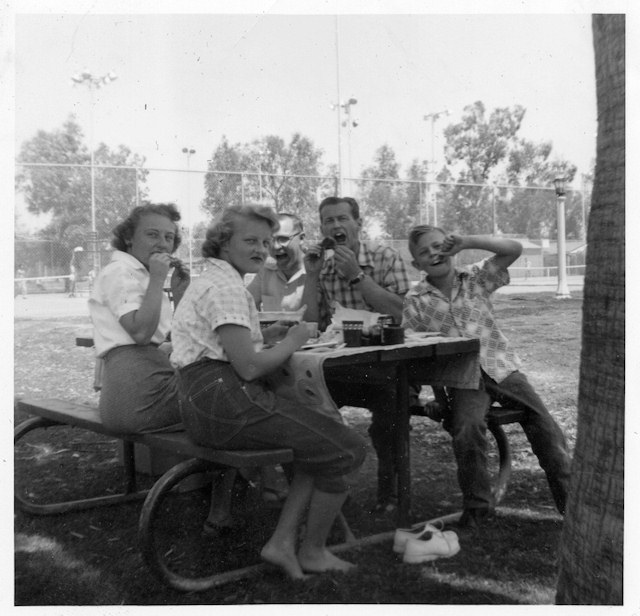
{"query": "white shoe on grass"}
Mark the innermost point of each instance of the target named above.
(402, 535)
(429, 547)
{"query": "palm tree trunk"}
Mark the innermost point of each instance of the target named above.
(591, 550)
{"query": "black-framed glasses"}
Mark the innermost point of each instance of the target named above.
(284, 240)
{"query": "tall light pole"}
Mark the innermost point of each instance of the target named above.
(563, 288)
(348, 122)
(432, 163)
(93, 82)
(189, 152)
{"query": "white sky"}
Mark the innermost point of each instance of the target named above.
(187, 79)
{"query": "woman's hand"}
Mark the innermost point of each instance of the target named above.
(276, 332)
(159, 265)
(299, 334)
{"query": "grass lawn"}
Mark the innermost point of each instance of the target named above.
(92, 557)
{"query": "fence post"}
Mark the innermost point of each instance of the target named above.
(242, 188)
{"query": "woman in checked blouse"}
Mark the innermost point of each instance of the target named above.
(219, 350)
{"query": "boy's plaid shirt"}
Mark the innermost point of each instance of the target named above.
(468, 314)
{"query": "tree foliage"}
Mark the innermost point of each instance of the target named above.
(64, 191)
(483, 150)
(268, 170)
(394, 204)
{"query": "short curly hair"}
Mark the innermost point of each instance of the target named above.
(123, 232)
(223, 228)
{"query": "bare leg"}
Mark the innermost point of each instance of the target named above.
(280, 550)
(313, 556)
(221, 494)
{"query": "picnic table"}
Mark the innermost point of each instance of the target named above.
(431, 360)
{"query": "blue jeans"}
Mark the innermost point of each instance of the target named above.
(466, 422)
(221, 410)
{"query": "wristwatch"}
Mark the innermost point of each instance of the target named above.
(358, 278)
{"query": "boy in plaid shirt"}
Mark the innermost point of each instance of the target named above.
(457, 302)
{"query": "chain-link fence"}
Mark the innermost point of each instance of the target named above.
(85, 206)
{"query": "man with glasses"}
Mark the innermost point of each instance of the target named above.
(280, 283)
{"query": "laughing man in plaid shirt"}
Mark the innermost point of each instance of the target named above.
(456, 302)
(360, 275)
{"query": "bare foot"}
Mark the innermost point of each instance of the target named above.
(322, 560)
(284, 559)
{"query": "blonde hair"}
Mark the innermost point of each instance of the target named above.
(222, 229)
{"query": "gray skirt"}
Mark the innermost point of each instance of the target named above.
(139, 391)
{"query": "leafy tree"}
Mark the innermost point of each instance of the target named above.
(479, 143)
(383, 197)
(481, 151)
(529, 212)
(65, 191)
(415, 191)
(269, 171)
(223, 188)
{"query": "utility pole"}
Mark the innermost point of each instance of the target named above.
(93, 82)
(189, 152)
(432, 163)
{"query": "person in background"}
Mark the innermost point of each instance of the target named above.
(74, 269)
(131, 316)
(361, 275)
(457, 302)
(21, 283)
(220, 353)
(280, 283)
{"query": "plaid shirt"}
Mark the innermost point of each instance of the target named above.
(217, 297)
(383, 264)
(469, 313)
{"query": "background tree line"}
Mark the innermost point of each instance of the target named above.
(486, 177)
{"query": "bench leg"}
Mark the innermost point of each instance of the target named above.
(23, 503)
(504, 473)
(129, 461)
(154, 554)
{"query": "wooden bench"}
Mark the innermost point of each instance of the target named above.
(53, 412)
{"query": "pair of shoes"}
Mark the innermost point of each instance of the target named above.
(426, 544)
(473, 518)
(402, 535)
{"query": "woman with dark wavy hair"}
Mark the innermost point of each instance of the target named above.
(131, 317)
(226, 402)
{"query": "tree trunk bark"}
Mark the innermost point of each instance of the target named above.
(591, 550)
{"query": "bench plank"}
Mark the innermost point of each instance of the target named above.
(88, 418)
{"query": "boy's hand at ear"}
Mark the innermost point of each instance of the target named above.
(452, 245)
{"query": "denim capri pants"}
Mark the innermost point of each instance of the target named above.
(222, 411)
